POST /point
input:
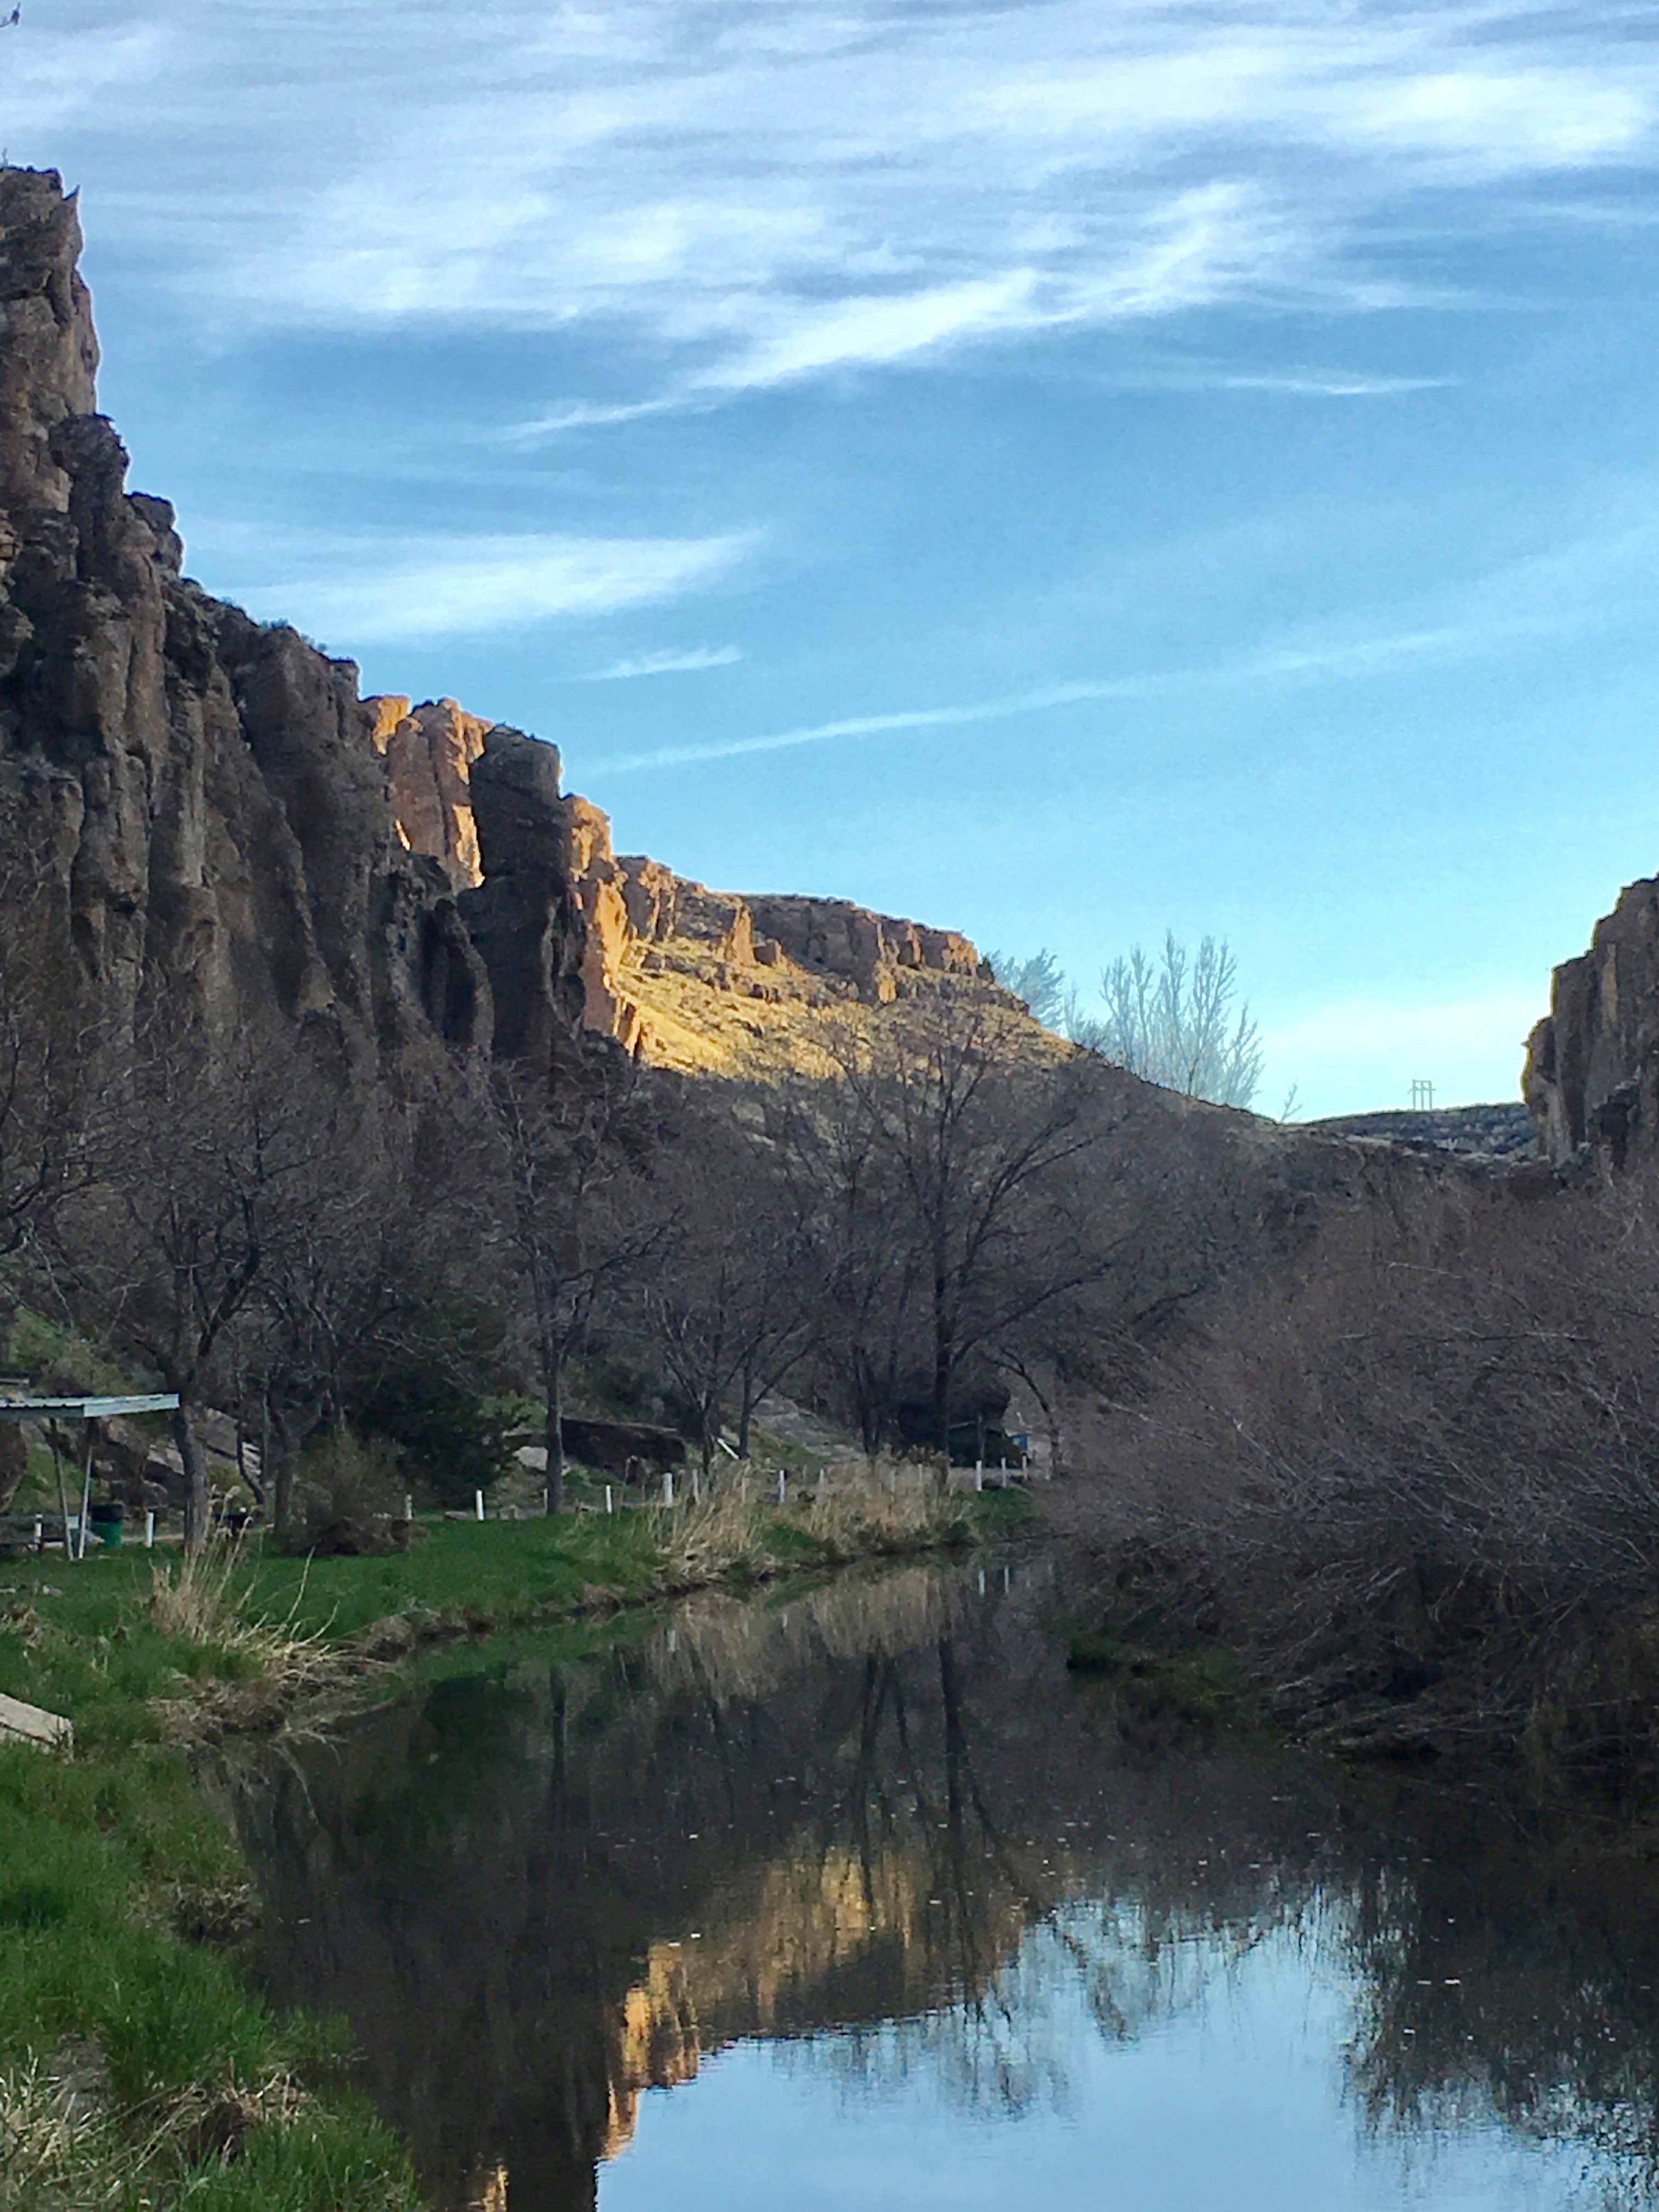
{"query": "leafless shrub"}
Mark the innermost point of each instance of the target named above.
(1416, 1473)
(342, 1477)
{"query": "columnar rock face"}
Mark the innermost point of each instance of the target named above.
(524, 917)
(1592, 1075)
(230, 831)
(429, 752)
(643, 925)
(206, 798)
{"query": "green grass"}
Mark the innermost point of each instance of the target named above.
(101, 1855)
(111, 1863)
(54, 1353)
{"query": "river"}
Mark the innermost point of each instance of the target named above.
(852, 1898)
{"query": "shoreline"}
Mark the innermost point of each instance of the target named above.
(125, 2002)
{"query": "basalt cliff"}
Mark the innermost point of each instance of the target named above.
(1592, 1075)
(700, 981)
(224, 828)
(218, 829)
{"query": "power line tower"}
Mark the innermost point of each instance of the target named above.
(1422, 1095)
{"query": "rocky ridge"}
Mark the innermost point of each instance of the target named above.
(220, 825)
(688, 978)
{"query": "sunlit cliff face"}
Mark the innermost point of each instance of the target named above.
(700, 981)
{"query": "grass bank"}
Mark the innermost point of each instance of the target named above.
(138, 2068)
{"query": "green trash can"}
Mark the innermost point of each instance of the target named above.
(106, 1525)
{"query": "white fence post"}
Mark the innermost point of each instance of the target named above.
(149, 1531)
(477, 1503)
(607, 1498)
(668, 1486)
(783, 1486)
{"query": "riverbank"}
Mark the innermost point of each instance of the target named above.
(135, 2056)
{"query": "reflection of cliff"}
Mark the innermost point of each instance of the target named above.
(882, 1810)
(536, 1896)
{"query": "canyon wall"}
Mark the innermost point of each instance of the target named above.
(1592, 1075)
(686, 977)
(204, 801)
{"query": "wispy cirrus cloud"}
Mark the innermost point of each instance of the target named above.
(668, 663)
(371, 591)
(756, 191)
(1599, 579)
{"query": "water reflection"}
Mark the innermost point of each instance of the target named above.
(877, 1833)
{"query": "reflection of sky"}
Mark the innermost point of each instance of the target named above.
(1232, 2096)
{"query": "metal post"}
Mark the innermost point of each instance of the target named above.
(85, 1491)
(62, 1500)
(607, 1498)
(409, 1506)
(668, 1486)
(783, 1486)
(149, 1528)
(979, 1474)
(477, 1503)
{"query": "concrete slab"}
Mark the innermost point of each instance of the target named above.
(34, 1724)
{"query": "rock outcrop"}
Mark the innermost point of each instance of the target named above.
(205, 799)
(429, 751)
(1501, 1132)
(229, 831)
(670, 970)
(1592, 1075)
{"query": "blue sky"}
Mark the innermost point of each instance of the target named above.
(1061, 470)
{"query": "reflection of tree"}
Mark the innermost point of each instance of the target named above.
(876, 1823)
(1516, 1977)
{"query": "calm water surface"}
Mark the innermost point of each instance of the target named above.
(856, 1900)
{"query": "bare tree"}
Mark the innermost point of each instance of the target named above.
(216, 1163)
(577, 1211)
(1173, 1024)
(1038, 980)
(52, 1050)
(971, 1148)
(734, 1302)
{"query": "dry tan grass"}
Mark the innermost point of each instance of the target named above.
(856, 1519)
(48, 2160)
(203, 1598)
(59, 2153)
(720, 1533)
(281, 1676)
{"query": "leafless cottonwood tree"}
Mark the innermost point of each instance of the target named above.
(732, 1304)
(577, 1210)
(1174, 1023)
(216, 1163)
(971, 1184)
